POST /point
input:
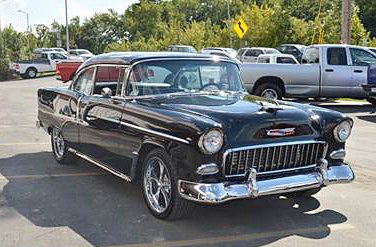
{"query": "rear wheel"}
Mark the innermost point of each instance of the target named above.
(60, 148)
(269, 90)
(31, 73)
(372, 101)
(159, 186)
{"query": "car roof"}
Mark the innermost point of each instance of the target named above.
(337, 45)
(180, 46)
(127, 58)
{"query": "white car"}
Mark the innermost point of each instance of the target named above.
(83, 53)
(42, 62)
(250, 55)
(222, 52)
(277, 58)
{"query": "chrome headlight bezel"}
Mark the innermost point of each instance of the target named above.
(342, 131)
(204, 141)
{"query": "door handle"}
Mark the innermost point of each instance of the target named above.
(329, 70)
(358, 71)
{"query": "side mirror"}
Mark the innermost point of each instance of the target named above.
(106, 92)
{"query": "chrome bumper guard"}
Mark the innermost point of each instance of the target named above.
(226, 191)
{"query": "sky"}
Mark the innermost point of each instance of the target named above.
(46, 11)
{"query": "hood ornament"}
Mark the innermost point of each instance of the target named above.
(281, 132)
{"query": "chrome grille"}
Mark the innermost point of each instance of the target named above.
(273, 158)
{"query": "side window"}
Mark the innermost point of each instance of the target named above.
(337, 56)
(311, 55)
(250, 53)
(44, 56)
(287, 60)
(361, 57)
(107, 76)
(258, 53)
(84, 82)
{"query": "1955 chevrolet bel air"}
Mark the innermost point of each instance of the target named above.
(184, 125)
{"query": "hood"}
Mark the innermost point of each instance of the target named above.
(244, 119)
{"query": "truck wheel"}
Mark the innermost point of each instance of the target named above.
(60, 148)
(159, 186)
(372, 101)
(31, 73)
(269, 90)
(304, 193)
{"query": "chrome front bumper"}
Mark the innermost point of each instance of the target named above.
(226, 191)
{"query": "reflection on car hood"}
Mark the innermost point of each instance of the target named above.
(243, 117)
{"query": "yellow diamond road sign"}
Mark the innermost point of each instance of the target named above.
(240, 28)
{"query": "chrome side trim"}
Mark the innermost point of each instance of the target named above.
(214, 193)
(155, 132)
(271, 145)
(201, 169)
(101, 165)
(338, 154)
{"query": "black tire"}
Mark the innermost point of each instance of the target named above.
(304, 193)
(269, 88)
(177, 207)
(372, 101)
(31, 73)
(60, 150)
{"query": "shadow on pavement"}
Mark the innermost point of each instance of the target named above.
(107, 211)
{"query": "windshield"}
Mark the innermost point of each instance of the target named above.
(174, 76)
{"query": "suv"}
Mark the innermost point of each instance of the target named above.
(250, 55)
(292, 49)
(181, 48)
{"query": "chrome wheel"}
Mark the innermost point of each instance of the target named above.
(157, 185)
(269, 93)
(58, 143)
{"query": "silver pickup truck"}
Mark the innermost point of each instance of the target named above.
(328, 71)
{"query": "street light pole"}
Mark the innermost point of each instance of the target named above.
(27, 27)
(66, 24)
(229, 24)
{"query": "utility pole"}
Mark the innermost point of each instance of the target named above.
(229, 24)
(2, 43)
(346, 22)
(66, 24)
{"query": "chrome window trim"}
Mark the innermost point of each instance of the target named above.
(277, 144)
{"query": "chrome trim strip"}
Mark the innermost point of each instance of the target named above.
(333, 155)
(280, 144)
(201, 169)
(214, 193)
(101, 165)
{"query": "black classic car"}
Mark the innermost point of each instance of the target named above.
(184, 125)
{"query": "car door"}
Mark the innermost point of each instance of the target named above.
(67, 105)
(360, 59)
(100, 115)
(336, 74)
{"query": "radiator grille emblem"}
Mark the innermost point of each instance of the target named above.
(281, 132)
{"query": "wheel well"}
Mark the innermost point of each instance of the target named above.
(271, 79)
(32, 68)
(145, 149)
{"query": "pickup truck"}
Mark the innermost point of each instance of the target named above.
(43, 62)
(65, 70)
(327, 71)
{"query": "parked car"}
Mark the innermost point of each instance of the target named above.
(220, 51)
(293, 49)
(65, 70)
(184, 125)
(181, 48)
(370, 86)
(42, 62)
(41, 50)
(328, 71)
(277, 58)
(59, 49)
(250, 55)
(83, 53)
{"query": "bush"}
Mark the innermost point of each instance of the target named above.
(4, 70)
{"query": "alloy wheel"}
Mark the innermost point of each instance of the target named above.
(58, 142)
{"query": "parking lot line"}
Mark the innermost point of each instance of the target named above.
(36, 176)
(245, 237)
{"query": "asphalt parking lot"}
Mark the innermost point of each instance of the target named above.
(45, 204)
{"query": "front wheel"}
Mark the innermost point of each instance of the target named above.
(372, 101)
(269, 90)
(159, 186)
(60, 148)
(31, 73)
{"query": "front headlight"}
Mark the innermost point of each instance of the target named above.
(211, 142)
(343, 130)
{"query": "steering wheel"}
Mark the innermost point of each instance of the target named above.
(210, 86)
